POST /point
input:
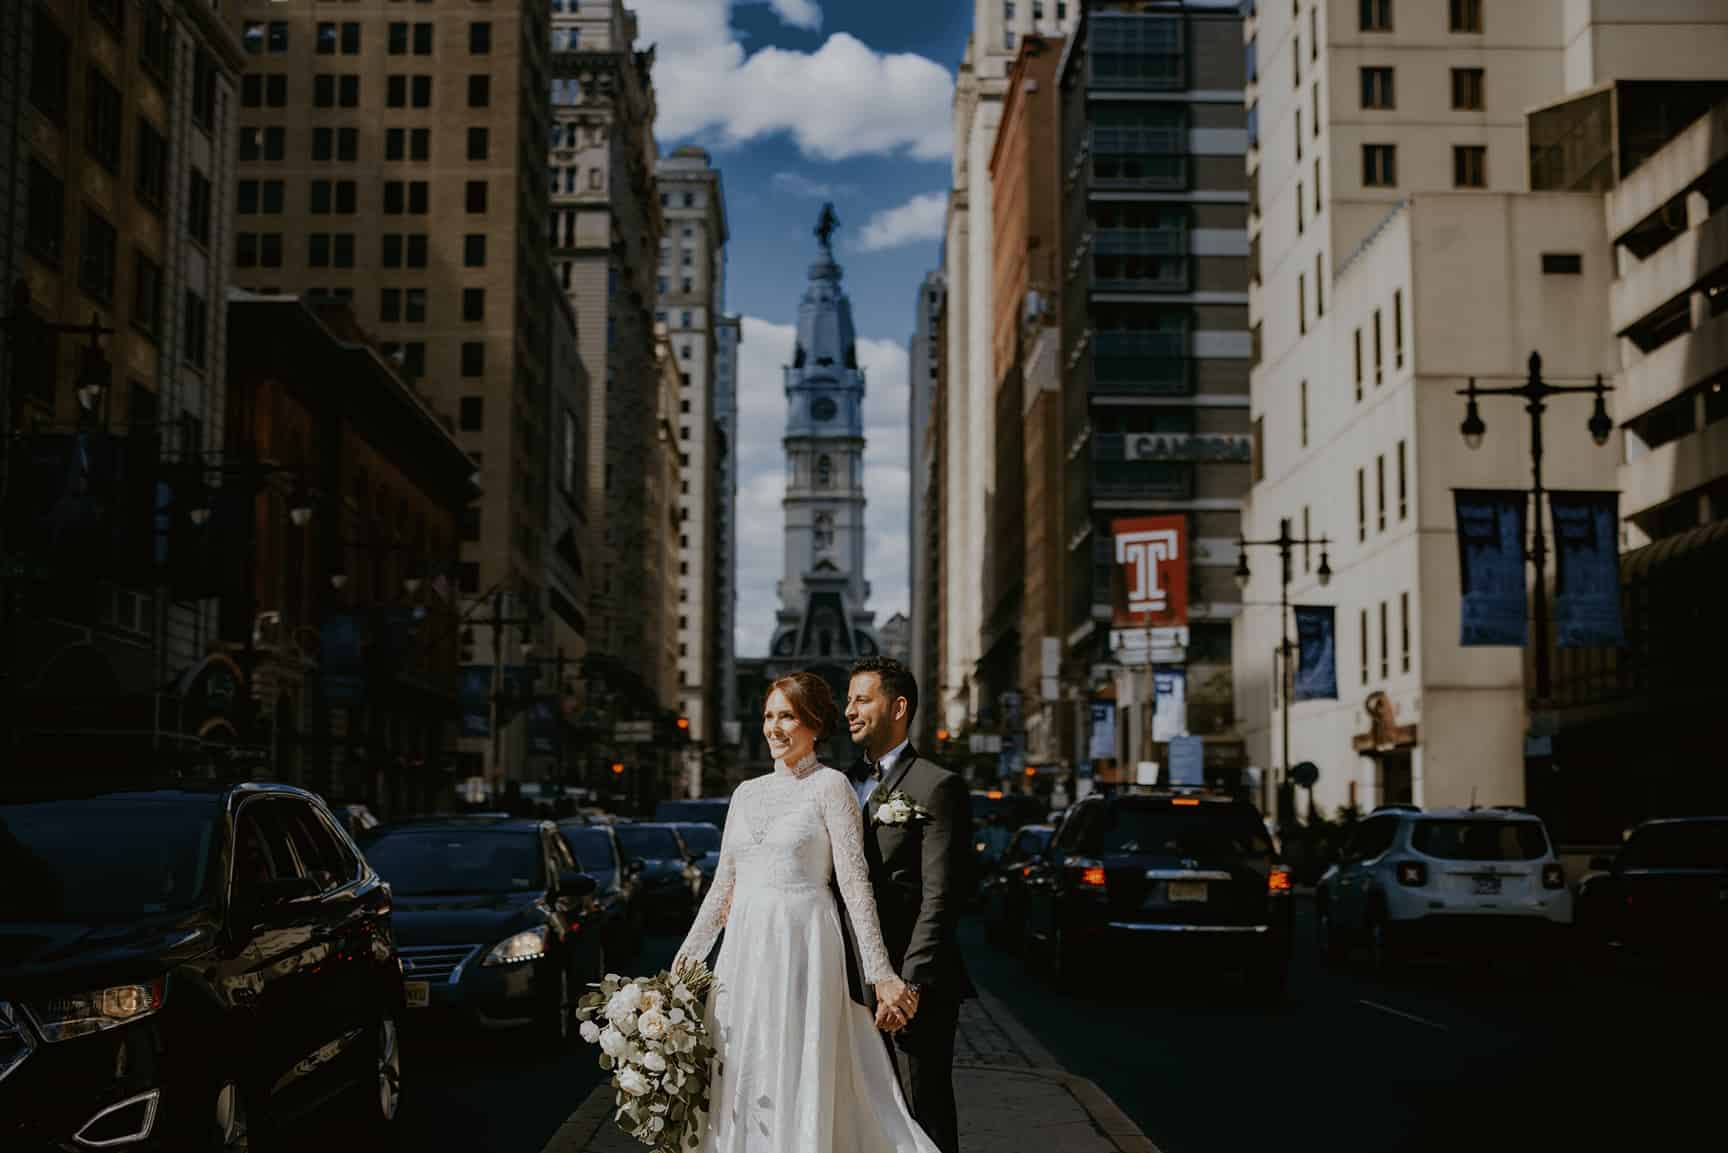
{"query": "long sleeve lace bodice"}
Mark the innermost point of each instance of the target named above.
(792, 831)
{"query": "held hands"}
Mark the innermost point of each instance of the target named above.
(896, 1002)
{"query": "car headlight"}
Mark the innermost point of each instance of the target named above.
(62, 1018)
(528, 945)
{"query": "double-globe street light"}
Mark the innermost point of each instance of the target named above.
(1286, 542)
(1535, 392)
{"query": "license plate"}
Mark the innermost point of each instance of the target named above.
(1487, 886)
(1186, 891)
(418, 993)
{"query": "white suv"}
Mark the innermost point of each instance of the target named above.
(1414, 883)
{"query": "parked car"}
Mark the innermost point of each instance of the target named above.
(1664, 895)
(494, 921)
(670, 879)
(702, 842)
(1412, 883)
(182, 967)
(704, 810)
(356, 820)
(1183, 877)
(618, 892)
(1003, 892)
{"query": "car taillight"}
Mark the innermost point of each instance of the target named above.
(1553, 877)
(1092, 875)
(1278, 880)
(1412, 873)
(1025, 870)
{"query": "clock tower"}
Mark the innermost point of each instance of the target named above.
(823, 624)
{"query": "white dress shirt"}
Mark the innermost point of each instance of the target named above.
(883, 767)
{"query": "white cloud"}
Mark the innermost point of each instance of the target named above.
(922, 218)
(800, 185)
(766, 349)
(798, 13)
(842, 100)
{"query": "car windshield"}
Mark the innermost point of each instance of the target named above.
(593, 848)
(1467, 840)
(1678, 845)
(700, 838)
(648, 843)
(105, 858)
(423, 862)
(1210, 830)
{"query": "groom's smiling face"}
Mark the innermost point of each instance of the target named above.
(870, 716)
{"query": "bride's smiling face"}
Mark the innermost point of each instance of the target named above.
(789, 738)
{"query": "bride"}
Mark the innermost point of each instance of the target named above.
(802, 1068)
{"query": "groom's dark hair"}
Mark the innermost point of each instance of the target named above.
(896, 680)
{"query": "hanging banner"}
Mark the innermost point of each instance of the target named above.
(1491, 566)
(1151, 570)
(1587, 572)
(1316, 653)
(474, 699)
(1170, 707)
(1102, 746)
(543, 727)
(342, 659)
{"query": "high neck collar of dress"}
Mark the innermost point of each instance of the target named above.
(801, 768)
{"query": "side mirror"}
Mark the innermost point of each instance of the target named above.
(1602, 864)
(573, 884)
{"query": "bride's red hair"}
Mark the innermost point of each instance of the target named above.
(812, 702)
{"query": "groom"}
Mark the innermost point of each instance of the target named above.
(918, 860)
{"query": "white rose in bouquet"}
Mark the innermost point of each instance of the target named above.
(613, 1043)
(655, 1043)
(653, 1025)
(626, 1002)
(653, 1062)
(632, 1082)
(590, 1032)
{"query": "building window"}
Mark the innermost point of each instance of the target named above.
(1469, 166)
(1377, 89)
(479, 38)
(1466, 16)
(1376, 16)
(146, 295)
(1568, 264)
(1380, 493)
(824, 472)
(1379, 165)
(1299, 207)
(422, 39)
(1398, 329)
(102, 120)
(1358, 343)
(479, 91)
(1364, 646)
(473, 413)
(474, 250)
(1467, 89)
(47, 213)
(197, 330)
(1301, 304)
(1385, 644)
(49, 74)
(1319, 203)
(473, 358)
(390, 305)
(476, 196)
(1403, 485)
(152, 165)
(198, 207)
(1319, 285)
(1379, 371)
(1302, 410)
(478, 143)
(473, 304)
(1361, 505)
(1404, 632)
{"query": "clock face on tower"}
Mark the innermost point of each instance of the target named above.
(823, 408)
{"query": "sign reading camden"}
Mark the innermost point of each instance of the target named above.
(1152, 560)
(1188, 446)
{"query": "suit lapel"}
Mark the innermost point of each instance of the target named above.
(887, 785)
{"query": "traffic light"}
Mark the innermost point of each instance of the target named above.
(683, 724)
(942, 736)
(1031, 770)
(617, 768)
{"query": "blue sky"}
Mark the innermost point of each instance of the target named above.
(802, 101)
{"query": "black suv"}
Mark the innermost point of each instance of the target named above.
(1178, 874)
(495, 922)
(181, 965)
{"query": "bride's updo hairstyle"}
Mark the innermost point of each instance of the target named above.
(812, 702)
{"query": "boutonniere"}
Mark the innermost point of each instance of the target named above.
(899, 809)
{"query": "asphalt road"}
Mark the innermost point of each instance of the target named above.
(1455, 1058)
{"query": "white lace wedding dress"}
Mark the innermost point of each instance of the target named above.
(802, 1067)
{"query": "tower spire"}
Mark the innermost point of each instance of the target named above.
(826, 225)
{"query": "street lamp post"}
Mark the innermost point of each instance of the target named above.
(1535, 392)
(1286, 543)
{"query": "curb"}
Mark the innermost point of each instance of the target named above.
(1035, 1053)
(581, 1127)
(1107, 1116)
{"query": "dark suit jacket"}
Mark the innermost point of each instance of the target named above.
(918, 872)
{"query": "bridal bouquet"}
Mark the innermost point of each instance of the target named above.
(654, 1041)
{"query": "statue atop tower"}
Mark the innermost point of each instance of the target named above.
(823, 621)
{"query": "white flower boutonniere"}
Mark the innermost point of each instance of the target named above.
(899, 809)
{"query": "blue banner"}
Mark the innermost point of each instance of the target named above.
(543, 727)
(342, 659)
(1491, 567)
(474, 699)
(1587, 569)
(1316, 654)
